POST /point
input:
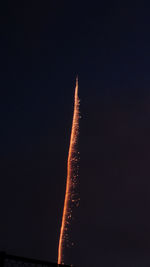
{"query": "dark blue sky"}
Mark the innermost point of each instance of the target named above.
(43, 46)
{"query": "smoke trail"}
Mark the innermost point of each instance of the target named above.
(71, 177)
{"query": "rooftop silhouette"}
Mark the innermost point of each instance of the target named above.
(17, 261)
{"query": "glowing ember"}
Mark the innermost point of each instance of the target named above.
(71, 178)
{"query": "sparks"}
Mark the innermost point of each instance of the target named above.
(71, 178)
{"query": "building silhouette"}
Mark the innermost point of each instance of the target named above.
(7, 260)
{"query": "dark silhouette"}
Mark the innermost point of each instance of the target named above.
(17, 261)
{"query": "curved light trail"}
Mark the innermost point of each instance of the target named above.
(71, 178)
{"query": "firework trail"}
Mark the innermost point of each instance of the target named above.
(71, 178)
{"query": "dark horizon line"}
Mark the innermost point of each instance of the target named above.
(4, 256)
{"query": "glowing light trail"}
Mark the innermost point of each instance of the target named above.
(71, 177)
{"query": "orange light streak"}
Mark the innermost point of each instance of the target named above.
(71, 177)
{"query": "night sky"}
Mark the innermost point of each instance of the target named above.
(43, 46)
